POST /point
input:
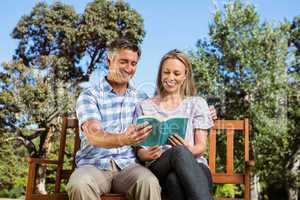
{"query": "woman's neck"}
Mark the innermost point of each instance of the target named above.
(169, 101)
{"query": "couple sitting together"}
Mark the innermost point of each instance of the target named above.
(110, 155)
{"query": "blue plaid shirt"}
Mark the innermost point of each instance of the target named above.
(115, 114)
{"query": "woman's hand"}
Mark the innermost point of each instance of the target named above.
(213, 112)
(177, 140)
(149, 153)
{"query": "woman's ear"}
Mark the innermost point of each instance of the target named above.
(185, 75)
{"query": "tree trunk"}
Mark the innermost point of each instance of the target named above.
(293, 192)
(41, 180)
(41, 170)
(255, 188)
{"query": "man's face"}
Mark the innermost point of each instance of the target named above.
(122, 66)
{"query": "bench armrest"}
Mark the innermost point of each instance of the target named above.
(42, 161)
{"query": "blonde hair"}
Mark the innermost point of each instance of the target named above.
(188, 87)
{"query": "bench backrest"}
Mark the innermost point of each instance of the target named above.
(230, 128)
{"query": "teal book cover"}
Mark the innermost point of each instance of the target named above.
(162, 129)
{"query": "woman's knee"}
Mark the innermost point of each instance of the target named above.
(181, 151)
(171, 180)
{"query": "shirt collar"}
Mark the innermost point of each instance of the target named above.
(108, 88)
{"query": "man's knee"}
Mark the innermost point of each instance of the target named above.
(83, 185)
(79, 185)
(148, 180)
(146, 188)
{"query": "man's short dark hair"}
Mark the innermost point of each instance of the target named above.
(123, 43)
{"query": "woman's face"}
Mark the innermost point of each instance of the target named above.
(173, 75)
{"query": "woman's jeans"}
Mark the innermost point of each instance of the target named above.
(181, 177)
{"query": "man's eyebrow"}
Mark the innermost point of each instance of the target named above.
(124, 59)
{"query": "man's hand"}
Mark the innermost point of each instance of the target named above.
(135, 134)
(213, 112)
(149, 153)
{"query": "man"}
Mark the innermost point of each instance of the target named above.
(106, 161)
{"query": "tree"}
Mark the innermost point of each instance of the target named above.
(244, 65)
(294, 106)
(57, 50)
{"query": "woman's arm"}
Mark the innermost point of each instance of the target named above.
(200, 142)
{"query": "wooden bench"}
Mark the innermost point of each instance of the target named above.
(228, 127)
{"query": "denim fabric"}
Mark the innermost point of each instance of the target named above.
(181, 177)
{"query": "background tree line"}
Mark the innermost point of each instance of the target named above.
(246, 67)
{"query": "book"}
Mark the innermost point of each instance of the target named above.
(163, 128)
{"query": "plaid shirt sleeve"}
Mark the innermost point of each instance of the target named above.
(86, 108)
(137, 113)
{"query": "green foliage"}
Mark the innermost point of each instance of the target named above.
(13, 169)
(227, 190)
(250, 69)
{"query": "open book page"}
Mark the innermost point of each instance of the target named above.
(162, 129)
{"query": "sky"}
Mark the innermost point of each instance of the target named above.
(169, 24)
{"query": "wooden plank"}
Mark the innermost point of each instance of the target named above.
(229, 154)
(72, 122)
(247, 185)
(221, 198)
(42, 161)
(246, 132)
(64, 196)
(30, 180)
(212, 151)
(61, 154)
(53, 196)
(225, 178)
(110, 196)
(65, 174)
(229, 124)
(76, 144)
(247, 169)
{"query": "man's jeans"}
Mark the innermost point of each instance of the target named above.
(181, 176)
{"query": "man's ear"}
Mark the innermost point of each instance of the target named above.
(109, 60)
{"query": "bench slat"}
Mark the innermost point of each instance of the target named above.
(229, 156)
(229, 124)
(225, 178)
(212, 151)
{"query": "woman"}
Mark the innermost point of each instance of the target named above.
(180, 167)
